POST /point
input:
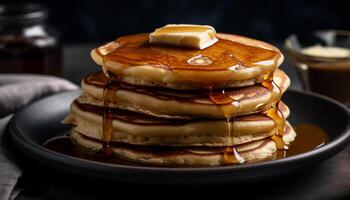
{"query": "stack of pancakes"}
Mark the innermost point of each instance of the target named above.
(165, 105)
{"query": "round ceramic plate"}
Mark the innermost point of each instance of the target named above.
(40, 121)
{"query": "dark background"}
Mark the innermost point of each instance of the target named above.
(97, 21)
(103, 20)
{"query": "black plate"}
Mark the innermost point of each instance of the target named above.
(40, 121)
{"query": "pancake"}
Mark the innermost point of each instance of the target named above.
(136, 128)
(233, 61)
(190, 98)
(184, 156)
(181, 104)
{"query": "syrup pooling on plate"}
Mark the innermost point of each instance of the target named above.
(310, 136)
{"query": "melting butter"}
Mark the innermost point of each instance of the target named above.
(184, 35)
(329, 52)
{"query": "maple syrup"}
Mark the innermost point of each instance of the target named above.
(309, 137)
(111, 85)
(223, 99)
(218, 96)
(274, 113)
(208, 94)
(327, 70)
(61, 144)
(27, 43)
(64, 145)
(107, 120)
(135, 50)
(279, 120)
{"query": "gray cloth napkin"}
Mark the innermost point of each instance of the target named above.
(16, 91)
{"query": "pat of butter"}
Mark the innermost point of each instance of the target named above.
(323, 51)
(185, 35)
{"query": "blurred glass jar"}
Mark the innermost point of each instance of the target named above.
(322, 60)
(27, 44)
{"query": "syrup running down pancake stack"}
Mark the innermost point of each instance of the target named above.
(164, 99)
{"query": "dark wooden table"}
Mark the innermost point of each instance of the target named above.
(327, 180)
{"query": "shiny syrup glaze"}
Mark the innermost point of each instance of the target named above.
(230, 154)
(309, 137)
(225, 54)
(135, 50)
(141, 119)
(202, 96)
(110, 86)
(145, 120)
(274, 113)
(220, 97)
(107, 120)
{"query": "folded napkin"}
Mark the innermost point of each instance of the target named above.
(16, 91)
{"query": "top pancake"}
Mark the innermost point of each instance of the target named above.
(233, 61)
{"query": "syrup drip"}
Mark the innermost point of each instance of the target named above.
(231, 154)
(229, 106)
(279, 120)
(111, 85)
(274, 113)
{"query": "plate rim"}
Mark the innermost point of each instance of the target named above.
(332, 147)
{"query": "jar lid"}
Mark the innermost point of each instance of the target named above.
(22, 14)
